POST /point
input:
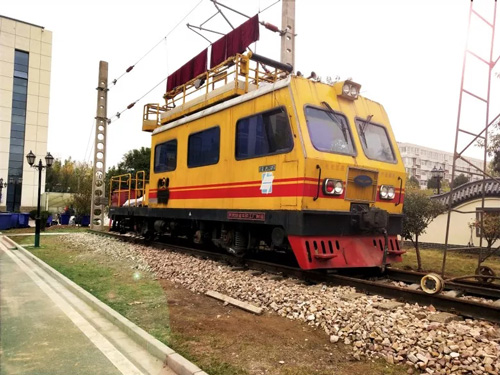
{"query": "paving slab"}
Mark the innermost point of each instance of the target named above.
(48, 329)
(36, 337)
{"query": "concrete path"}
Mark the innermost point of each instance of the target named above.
(46, 329)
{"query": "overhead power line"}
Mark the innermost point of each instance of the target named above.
(118, 114)
(131, 105)
(129, 69)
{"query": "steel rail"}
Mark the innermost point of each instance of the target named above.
(441, 302)
(468, 287)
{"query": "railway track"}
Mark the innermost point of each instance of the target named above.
(443, 302)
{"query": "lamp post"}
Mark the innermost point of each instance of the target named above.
(49, 159)
(2, 185)
(438, 174)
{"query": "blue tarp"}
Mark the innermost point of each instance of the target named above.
(5, 221)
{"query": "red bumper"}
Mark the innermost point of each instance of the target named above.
(314, 252)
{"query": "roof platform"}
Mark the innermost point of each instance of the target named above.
(233, 77)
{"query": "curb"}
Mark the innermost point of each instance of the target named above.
(174, 361)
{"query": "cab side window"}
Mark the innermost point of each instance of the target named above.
(266, 133)
(166, 156)
(204, 148)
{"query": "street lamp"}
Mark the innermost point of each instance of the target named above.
(2, 185)
(438, 174)
(49, 159)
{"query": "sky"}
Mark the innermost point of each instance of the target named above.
(406, 54)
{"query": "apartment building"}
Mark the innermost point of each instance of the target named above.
(25, 66)
(419, 162)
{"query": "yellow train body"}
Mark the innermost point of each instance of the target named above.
(275, 162)
(235, 184)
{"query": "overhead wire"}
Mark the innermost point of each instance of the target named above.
(88, 142)
(129, 69)
(118, 114)
(263, 10)
(164, 39)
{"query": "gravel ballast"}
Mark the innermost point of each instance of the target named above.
(372, 325)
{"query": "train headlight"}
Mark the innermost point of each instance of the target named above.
(387, 192)
(333, 187)
(347, 89)
(354, 91)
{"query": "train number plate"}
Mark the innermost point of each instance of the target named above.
(251, 216)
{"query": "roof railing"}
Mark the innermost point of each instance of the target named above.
(235, 76)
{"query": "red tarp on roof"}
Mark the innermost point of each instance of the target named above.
(235, 42)
(188, 71)
(229, 45)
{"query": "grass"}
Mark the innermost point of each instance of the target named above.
(53, 229)
(457, 264)
(134, 294)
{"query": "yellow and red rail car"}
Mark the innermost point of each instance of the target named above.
(269, 160)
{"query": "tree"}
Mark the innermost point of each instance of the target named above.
(65, 177)
(492, 168)
(490, 229)
(412, 183)
(460, 180)
(82, 198)
(493, 147)
(419, 210)
(61, 176)
(132, 162)
(432, 183)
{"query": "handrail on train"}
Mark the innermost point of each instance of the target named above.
(140, 191)
(237, 69)
(116, 185)
(121, 180)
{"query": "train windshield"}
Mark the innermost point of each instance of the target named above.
(375, 141)
(329, 131)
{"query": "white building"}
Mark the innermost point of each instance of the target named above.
(419, 162)
(25, 61)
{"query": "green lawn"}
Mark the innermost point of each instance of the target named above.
(457, 264)
(53, 229)
(134, 294)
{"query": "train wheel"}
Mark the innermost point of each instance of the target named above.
(122, 228)
(432, 283)
(485, 271)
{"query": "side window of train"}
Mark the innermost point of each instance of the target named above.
(263, 134)
(166, 156)
(204, 147)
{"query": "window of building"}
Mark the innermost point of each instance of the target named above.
(203, 147)
(166, 156)
(18, 121)
(266, 133)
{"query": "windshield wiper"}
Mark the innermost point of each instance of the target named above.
(363, 127)
(334, 117)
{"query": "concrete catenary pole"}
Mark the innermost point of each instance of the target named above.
(98, 186)
(288, 36)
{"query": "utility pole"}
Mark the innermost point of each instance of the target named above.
(98, 186)
(288, 36)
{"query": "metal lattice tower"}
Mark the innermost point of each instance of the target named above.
(98, 186)
(471, 99)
